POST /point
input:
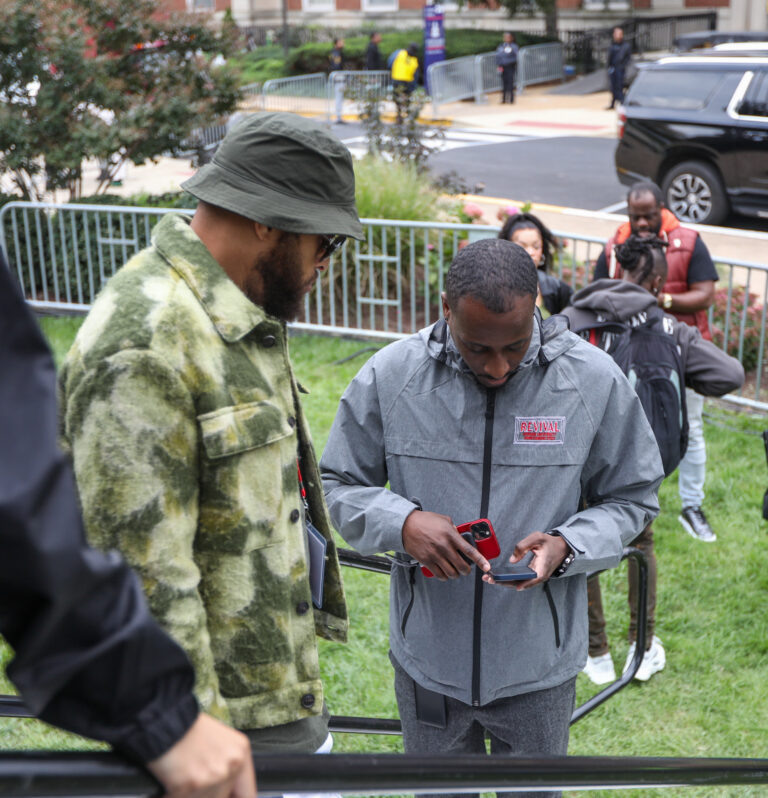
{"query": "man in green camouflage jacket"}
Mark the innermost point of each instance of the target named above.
(182, 416)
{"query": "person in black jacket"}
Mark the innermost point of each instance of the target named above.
(506, 63)
(711, 372)
(618, 60)
(536, 239)
(373, 59)
(88, 656)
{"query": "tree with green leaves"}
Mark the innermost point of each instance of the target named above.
(113, 80)
(547, 7)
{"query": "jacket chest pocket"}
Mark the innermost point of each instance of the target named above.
(249, 456)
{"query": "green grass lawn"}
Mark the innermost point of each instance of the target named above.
(712, 698)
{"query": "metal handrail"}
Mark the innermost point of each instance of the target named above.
(12, 706)
(38, 775)
(365, 725)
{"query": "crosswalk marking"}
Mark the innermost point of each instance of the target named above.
(454, 139)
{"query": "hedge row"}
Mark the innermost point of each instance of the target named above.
(265, 62)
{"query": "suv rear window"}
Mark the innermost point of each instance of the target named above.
(679, 89)
(755, 102)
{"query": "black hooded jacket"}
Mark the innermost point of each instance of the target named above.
(89, 657)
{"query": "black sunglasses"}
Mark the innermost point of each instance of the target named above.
(329, 245)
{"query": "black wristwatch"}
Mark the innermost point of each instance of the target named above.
(568, 559)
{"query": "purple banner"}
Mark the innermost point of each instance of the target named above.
(434, 38)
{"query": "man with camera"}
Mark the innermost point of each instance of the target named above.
(494, 416)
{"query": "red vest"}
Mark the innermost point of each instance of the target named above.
(681, 243)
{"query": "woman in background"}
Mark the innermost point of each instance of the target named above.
(537, 240)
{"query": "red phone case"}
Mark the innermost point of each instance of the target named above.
(484, 537)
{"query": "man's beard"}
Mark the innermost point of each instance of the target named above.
(275, 282)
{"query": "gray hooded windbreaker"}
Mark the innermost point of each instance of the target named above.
(566, 427)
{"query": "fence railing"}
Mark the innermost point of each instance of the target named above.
(589, 48)
(473, 76)
(13, 707)
(48, 775)
(539, 63)
(487, 76)
(302, 93)
(355, 88)
(452, 80)
(386, 286)
(251, 90)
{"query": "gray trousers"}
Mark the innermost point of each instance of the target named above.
(533, 724)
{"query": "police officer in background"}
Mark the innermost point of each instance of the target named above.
(506, 63)
(619, 56)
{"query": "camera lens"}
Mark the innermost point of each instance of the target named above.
(481, 530)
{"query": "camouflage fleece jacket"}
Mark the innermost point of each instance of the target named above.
(181, 412)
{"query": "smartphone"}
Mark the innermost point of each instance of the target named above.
(479, 534)
(483, 536)
(517, 573)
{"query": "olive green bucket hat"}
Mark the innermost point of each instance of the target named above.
(284, 171)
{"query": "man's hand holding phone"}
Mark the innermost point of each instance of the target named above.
(548, 550)
(433, 540)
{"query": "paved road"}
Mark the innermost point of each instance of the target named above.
(561, 170)
(573, 171)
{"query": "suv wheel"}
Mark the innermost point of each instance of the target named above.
(694, 192)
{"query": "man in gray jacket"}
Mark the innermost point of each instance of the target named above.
(490, 413)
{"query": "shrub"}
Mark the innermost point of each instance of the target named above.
(259, 66)
(387, 190)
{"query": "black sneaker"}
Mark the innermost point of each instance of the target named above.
(696, 525)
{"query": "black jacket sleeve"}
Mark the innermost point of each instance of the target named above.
(708, 370)
(89, 657)
(601, 267)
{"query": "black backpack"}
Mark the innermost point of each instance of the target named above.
(649, 358)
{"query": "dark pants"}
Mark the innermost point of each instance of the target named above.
(401, 93)
(532, 724)
(508, 83)
(598, 641)
(617, 86)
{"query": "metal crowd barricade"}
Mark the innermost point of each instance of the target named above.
(358, 87)
(386, 286)
(472, 77)
(382, 565)
(251, 90)
(12, 706)
(251, 96)
(487, 76)
(539, 63)
(451, 81)
(299, 94)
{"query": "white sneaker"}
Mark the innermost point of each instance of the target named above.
(600, 669)
(654, 660)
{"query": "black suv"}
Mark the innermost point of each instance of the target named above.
(698, 127)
